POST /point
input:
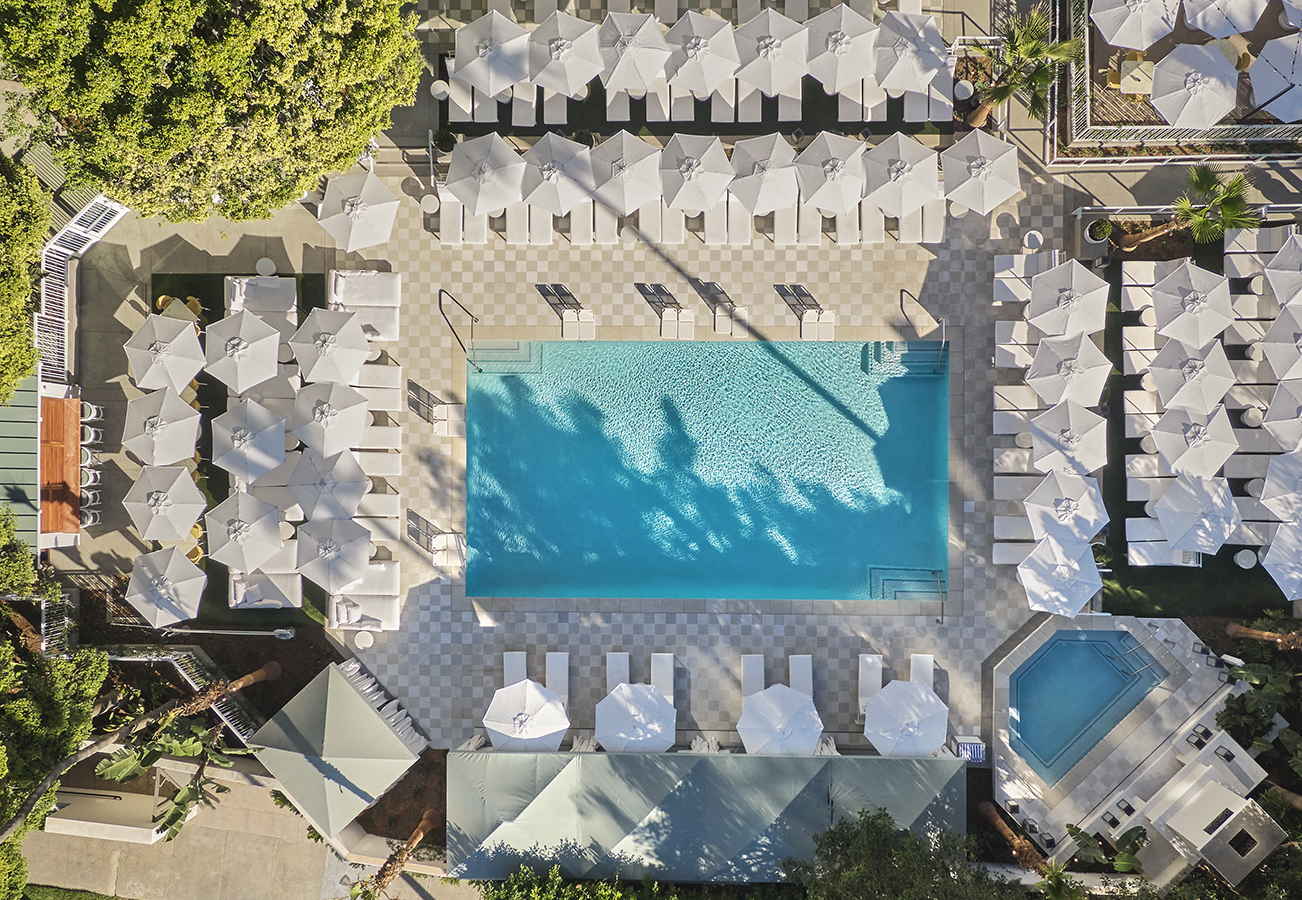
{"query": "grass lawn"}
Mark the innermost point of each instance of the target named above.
(38, 892)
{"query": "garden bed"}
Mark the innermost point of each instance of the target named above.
(399, 811)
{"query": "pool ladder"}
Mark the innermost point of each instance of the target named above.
(1137, 646)
(473, 319)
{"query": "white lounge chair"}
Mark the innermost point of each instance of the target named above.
(380, 504)
(870, 678)
(558, 675)
(363, 612)
(517, 223)
(669, 323)
(380, 437)
(381, 463)
(461, 98)
(451, 211)
(616, 669)
(581, 224)
(524, 105)
(556, 108)
(800, 673)
(686, 324)
(513, 667)
(662, 674)
(922, 669)
(752, 674)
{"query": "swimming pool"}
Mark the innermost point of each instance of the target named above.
(711, 469)
(1071, 692)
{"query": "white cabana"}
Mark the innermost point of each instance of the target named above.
(161, 428)
(243, 532)
(1282, 492)
(703, 53)
(557, 174)
(1223, 18)
(1194, 443)
(633, 52)
(1282, 344)
(358, 211)
(164, 503)
(164, 353)
(328, 487)
(909, 53)
(980, 172)
(248, 440)
(330, 346)
(1059, 579)
(906, 718)
(241, 350)
(1192, 305)
(635, 718)
(779, 721)
(333, 553)
(1196, 380)
(1284, 271)
(328, 418)
(1069, 368)
(764, 174)
(485, 174)
(1283, 419)
(773, 52)
(564, 54)
(830, 173)
(694, 171)
(492, 54)
(626, 173)
(1137, 24)
(1068, 508)
(165, 587)
(1283, 560)
(1068, 299)
(1194, 86)
(900, 175)
(1275, 76)
(526, 716)
(1069, 438)
(1197, 514)
(841, 45)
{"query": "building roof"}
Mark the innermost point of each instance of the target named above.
(20, 449)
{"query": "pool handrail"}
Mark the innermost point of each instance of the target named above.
(473, 320)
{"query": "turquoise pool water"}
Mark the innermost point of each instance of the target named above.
(713, 469)
(1071, 692)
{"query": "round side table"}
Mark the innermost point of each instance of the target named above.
(1253, 416)
(429, 204)
(1024, 440)
(1148, 444)
(363, 640)
(963, 89)
(1033, 240)
(1245, 559)
(265, 267)
(957, 210)
(439, 89)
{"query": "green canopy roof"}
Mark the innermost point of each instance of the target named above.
(20, 454)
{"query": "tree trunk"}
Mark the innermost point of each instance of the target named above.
(216, 691)
(978, 117)
(1128, 241)
(394, 865)
(1290, 641)
(1292, 799)
(1023, 850)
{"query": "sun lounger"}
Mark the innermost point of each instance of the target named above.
(673, 225)
(382, 399)
(872, 223)
(524, 106)
(1010, 554)
(1013, 528)
(375, 298)
(1159, 553)
(1257, 240)
(741, 225)
(382, 577)
(1246, 465)
(1145, 529)
(849, 104)
(790, 104)
(587, 325)
(1254, 306)
(686, 325)
(1253, 534)
(616, 669)
(461, 98)
(716, 224)
(379, 504)
(940, 95)
(363, 612)
(1146, 465)
(581, 223)
(800, 673)
(1015, 487)
(659, 102)
(809, 325)
(517, 223)
(809, 225)
(682, 105)
(556, 107)
(1244, 265)
(558, 675)
(1253, 510)
(569, 324)
(1011, 290)
(669, 324)
(485, 107)
(784, 227)
(1252, 371)
(513, 667)
(847, 227)
(933, 221)
(1017, 396)
(1007, 421)
(1013, 356)
(1012, 461)
(261, 590)
(870, 678)
(1025, 265)
(662, 674)
(910, 227)
(381, 463)
(723, 102)
(1256, 440)
(1245, 331)
(1134, 298)
(451, 232)
(922, 669)
(474, 228)
(750, 103)
(1143, 489)
(648, 221)
(378, 375)
(915, 107)
(752, 674)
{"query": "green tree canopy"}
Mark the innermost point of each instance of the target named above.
(24, 222)
(191, 108)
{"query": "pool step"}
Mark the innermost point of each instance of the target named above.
(507, 357)
(907, 584)
(899, 358)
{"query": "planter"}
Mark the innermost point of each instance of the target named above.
(1098, 232)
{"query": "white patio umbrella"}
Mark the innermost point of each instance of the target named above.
(1283, 419)
(1069, 438)
(165, 587)
(1223, 18)
(328, 417)
(1194, 86)
(830, 173)
(633, 52)
(1282, 344)
(773, 51)
(626, 173)
(980, 172)
(1068, 299)
(694, 171)
(906, 718)
(333, 553)
(900, 175)
(1282, 492)
(557, 174)
(841, 45)
(764, 174)
(243, 531)
(358, 211)
(1197, 514)
(248, 440)
(492, 54)
(779, 721)
(328, 487)
(241, 350)
(564, 54)
(164, 503)
(331, 346)
(1059, 579)
(1283, 560)
(526, 716)
(1067, 508)
(1194, 443)
(1275, 76)
(635, 718)
(909, 53)
(1196, 380)
(1192, 305)
(1137, 24)
(485, 174)
(703, 53)
(1069, 368)
(161, 428)
(164, 353)
(1284, 271)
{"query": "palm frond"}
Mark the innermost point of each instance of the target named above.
(1205, 228)
(1064, 51)
(1037, 104)
(1237, 186)
(1184, 209)
(1203, 179)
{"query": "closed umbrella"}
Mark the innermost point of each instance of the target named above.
(900, 175)
(1194, 443)
(1194, 86)
(526, 716)
(165, 587)
(980, 172)
(328, 418)
(248, 440)
(485, 174)
(830, 173)
(243, 532)
(1069, 368)
(694, 171)
(1284, 271)
(1197, 514)
(906, 718)
(1067, 508)
(773, 52)
(333, 553)
(164, 353)
(635, 718)
(564, 54)
(358, 211)
(1137, 24)
(242, 351)
(1069, 438)
(330, 346)
(1283, 560)
(633, 52)
(1275, 76)
(764, 173)
(1196, 380)
(1282, 344)
(328, 487)
(161, 428)
(703, 53)
(164, 503)
(779, 721)
(1283, 419)
(841, 45)
(557, 174)
(1282, 492)
(626, 173)
(492, 54)
(1059, 579)
(1223, 18)
(909, 53)
(1192, 305)
(1068, 299)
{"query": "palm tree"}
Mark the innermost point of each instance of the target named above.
(1023, 850)
(1290, 641)
(374, 886)
(1025, 60)
(1210, 207)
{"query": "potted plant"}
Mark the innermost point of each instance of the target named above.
(1025, 61)
(1099, 231)
(444, 142)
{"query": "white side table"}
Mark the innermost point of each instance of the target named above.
(963, 89)
(957, 210)
(1033, 240)
(429, 204)
(1253, 416)
(265, 267)
(363, 640)
(1245, 559)
(439, 90)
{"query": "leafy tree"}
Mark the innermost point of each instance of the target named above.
(1024, 61)
(24, 222)
(1210, 206)
(1058, 885)
(193, 108)
(527, 884)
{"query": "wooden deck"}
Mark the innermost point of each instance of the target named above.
(60, 466)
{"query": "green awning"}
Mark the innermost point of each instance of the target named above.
(20, 456)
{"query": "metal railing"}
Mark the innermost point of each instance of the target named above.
(198, 671)
(473, 320)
